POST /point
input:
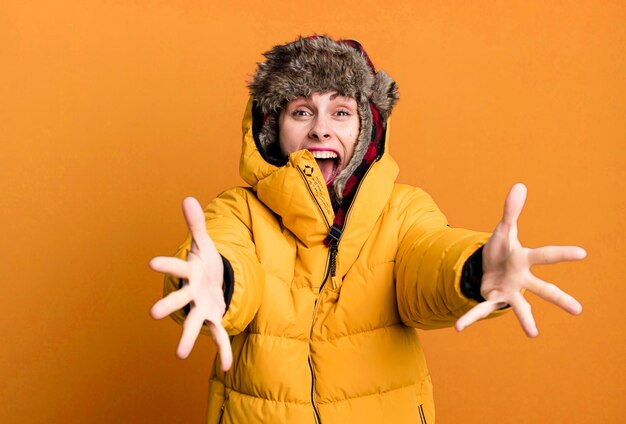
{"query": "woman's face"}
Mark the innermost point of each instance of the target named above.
(326, 124)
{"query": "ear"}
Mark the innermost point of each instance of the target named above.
(384, 93)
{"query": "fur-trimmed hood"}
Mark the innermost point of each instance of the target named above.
(320, 64)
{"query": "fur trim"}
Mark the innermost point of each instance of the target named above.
(320, 64)
(384, 93)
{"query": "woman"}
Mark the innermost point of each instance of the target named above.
(312, 280)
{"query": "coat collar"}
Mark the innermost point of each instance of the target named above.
(297, 193)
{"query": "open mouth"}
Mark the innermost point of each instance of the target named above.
(328, 161)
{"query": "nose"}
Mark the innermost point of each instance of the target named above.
(320, 129)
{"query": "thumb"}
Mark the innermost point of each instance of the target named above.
(194, 216)
(514, 203)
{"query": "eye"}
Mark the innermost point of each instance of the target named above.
(343, 112)
(300, 112)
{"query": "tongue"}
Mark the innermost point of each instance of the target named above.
(327, 166)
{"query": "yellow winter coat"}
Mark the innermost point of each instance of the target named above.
(308, 347)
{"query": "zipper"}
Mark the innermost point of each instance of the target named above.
(420, 409)
(332, 264)
(335, 234)
(316, 412)
(331, 269)
(223, 408)
(334, 249)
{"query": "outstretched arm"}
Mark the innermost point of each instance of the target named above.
(202, 273)
(506, 271)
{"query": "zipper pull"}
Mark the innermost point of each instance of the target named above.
(335, 280)
(332, 241)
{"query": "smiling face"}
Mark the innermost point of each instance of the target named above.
(326, 124)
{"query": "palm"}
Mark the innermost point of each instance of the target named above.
(202, 274)
(506, 271)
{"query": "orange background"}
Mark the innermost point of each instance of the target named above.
(112, 111)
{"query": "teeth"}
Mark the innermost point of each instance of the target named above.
(324, 155)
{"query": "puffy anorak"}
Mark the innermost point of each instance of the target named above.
(310, 346)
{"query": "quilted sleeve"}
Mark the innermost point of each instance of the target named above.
(229, 225)
(429, 264)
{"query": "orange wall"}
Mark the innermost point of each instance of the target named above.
(112, 111)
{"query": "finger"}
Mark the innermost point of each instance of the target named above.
(194, 216)
(191, 330)
(524, 315)
(478, 312)
(169, 265)
(171, 303)
(553, 294)
(554, 254)
(221, 339)
(513, 204)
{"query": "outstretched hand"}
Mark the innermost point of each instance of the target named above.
(506, 271)
(203, 275)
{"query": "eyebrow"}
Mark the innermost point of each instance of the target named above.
(299, 101)
(336, 94)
